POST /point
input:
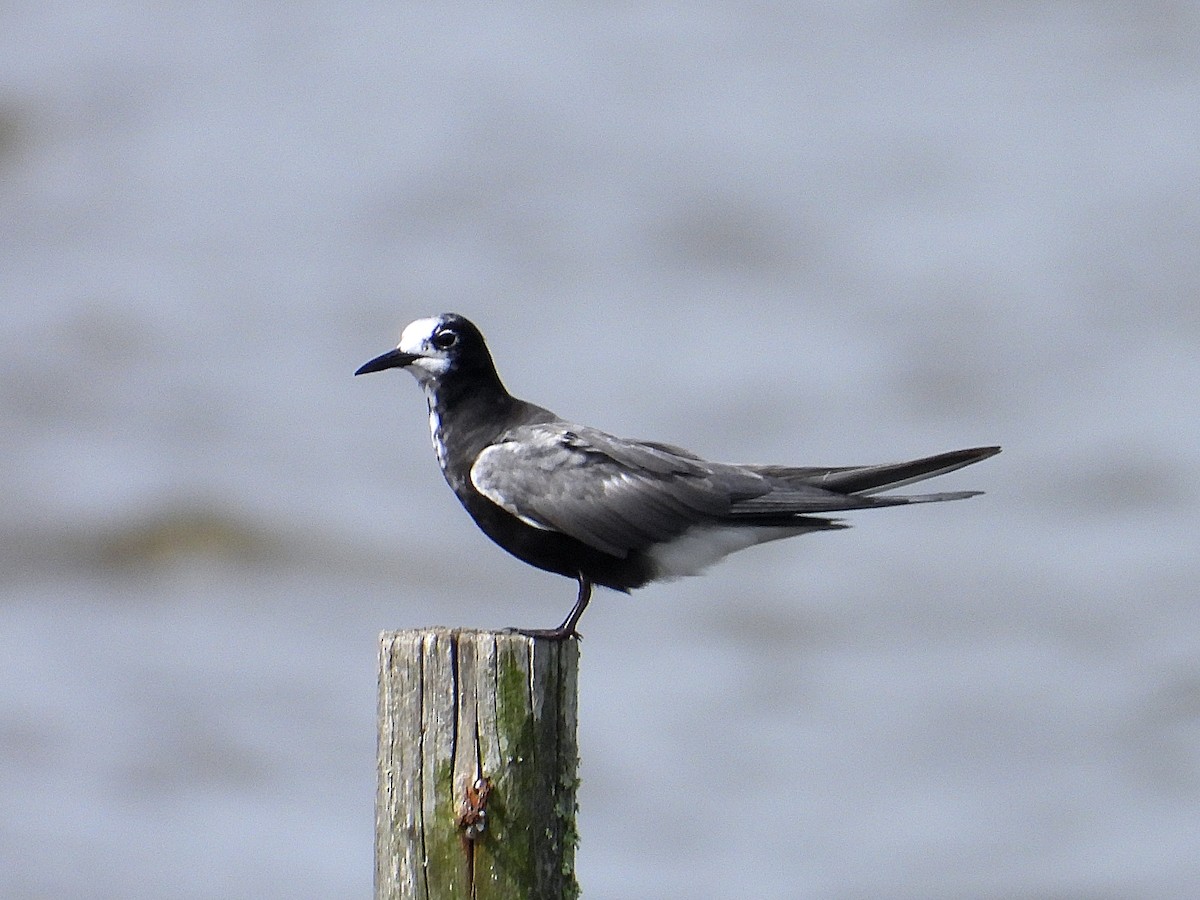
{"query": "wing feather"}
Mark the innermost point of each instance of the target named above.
(617, 496)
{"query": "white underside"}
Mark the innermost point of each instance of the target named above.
(702, 545)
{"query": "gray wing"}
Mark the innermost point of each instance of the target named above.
(611, 494)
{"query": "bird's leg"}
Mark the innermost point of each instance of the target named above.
(567, 628)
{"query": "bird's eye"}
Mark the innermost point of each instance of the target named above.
(444, 340)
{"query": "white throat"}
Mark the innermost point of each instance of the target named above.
(435, 432)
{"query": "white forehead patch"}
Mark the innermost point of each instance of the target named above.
(430, 364)
(417, 334)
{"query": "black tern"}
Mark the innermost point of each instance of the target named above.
(608, 511)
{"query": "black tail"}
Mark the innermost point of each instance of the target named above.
(870, 479)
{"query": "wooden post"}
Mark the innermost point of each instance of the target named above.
(477, 766)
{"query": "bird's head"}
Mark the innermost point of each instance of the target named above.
(435, 347)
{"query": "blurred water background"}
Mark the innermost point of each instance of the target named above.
(795, 232)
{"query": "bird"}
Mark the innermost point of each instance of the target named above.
(608, 511)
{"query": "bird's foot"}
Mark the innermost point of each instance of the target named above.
(548, 634)
(567, 628)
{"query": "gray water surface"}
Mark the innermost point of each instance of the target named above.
(787, 233)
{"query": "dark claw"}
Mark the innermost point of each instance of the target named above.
(567, 628)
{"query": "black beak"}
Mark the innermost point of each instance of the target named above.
(393, 359)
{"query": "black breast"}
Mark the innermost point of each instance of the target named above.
(554, 551)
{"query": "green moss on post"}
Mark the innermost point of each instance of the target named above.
(477, 766)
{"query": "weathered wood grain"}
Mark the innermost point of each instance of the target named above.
(477, 766)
